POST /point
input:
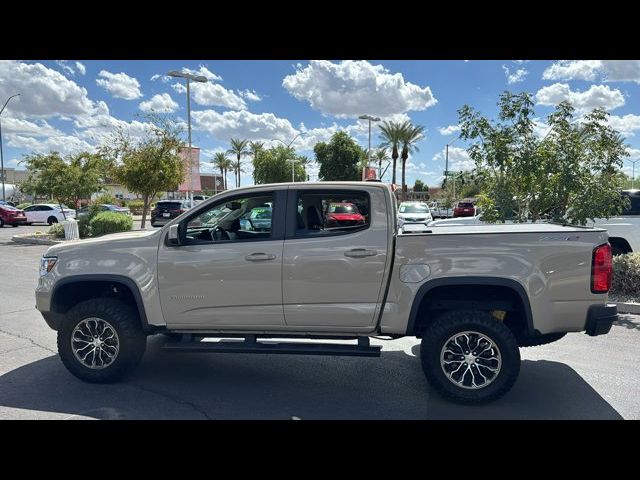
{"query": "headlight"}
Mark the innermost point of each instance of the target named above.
(47, 264)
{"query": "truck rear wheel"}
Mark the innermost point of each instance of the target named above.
(101, 340)
(469, 357)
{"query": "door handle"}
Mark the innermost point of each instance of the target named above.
(360, 253)
(259, 257)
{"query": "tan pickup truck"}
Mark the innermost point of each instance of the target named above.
(264, 269)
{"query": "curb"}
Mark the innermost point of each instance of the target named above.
(628, 307)
(26, 240)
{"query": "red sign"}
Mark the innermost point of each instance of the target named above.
(368, 173)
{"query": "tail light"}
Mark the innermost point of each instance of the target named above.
(601, 269)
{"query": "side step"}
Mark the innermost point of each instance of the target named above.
(192, 343)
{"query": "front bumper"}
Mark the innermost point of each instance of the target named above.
(600, 318)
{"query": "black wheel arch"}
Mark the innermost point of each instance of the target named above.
(423, 295)
(58, 305)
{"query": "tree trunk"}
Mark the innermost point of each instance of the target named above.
(394, 156)
(225, 179)
(404, 183)
(238, 168)
(145, 206)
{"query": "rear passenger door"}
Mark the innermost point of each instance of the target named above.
(334, 264)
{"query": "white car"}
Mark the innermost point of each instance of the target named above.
(438, 210)
(624, 230)
(413, 212)
(49, 213)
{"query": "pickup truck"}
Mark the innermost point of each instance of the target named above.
(210, 282)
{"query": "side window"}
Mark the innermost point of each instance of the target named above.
(237, 219)
(332, 212)
(30, 209)
(46, 208)
(634, 205)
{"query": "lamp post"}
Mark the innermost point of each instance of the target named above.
(1, 153)
(633, 174)
(370, 119)
(293, 161)
(195, 78)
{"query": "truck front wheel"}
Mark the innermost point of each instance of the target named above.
(469, 357)
(101, 340)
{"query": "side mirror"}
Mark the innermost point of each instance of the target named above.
(173, 237)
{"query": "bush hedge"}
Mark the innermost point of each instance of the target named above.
(110, 222)
(57, 230)
(106, 198)
(626, 275)
(136, 207)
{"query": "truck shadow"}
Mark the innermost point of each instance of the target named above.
(218, 386)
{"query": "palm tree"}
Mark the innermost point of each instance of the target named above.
(409, 135)
(255, 148)
(221, 161)
(238, 148)
(390, 132)
(380, 155)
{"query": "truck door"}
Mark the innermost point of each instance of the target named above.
(335, 256)
(228, 270)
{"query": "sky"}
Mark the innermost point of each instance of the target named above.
(73, 105)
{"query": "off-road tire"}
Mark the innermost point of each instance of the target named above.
(123, 319)
(456, 321)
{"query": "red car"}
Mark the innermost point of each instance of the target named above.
(11, 216)
(464, 209)
(343, 214)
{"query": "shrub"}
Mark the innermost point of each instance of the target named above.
(110, 222)
(56, 230)
(106, 198)
(84, 226)
(626, 275)
(136, 207)
(22, 206)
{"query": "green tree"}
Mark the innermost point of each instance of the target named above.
(419, 186)
(150, 164)
(67, 180)
(410, 135)
(222, 162)
(271, 166)
(339, 158)
(391, 135)
(569, 174)
(255, 149)
(239, 148)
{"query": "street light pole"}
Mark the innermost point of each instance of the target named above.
(195, 78)
(2, 174)
(293, 161)
(370, 119)
(633, 174)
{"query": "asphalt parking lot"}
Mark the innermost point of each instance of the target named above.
(578, 377)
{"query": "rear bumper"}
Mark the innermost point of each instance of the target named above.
(600, 318)
(15, 221)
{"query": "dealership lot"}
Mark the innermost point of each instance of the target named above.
(578, 377)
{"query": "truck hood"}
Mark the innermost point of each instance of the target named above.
(113, 240)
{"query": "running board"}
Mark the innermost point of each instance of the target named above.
(250, 344)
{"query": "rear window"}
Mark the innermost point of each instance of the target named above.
(8, 207)
(342, 208)
(634, 206)
(465, 205)
(171, 205)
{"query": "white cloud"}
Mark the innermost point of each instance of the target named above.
(449, 130)
(81, 68)
(163, 78)
(515, 77)
(626, 124)
(459, 159)
(243, 124)
(351, 88)
(590, 70)
(250, 95)
(212, 95)
(162, 103)
(120, 85)
(45, 92)
(205, 72)
(634, 154)
(66, 68)
(597, 96)
(17, 126)
(65, 144)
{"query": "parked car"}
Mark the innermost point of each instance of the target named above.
(624, 229)
(198, 199)
(259, 219)
(413, 212)
(438, 210)
(105, 207)
(195, 280)
(11, 216)
(166, 210)
(343, 215)
(48, 213)
(464, 209)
